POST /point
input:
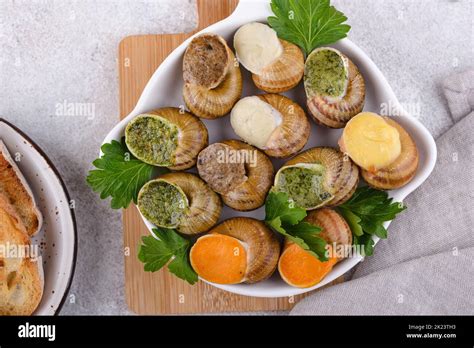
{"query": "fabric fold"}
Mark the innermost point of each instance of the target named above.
(432, 285)
(459, 92)
(426, 266)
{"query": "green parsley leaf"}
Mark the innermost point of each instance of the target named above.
(155, 253)
(277, 226)
(308, 23)
(366, 212)
(278, 205)
(286, 218)
(308, 233)
(367, 244)
(352, 220)
(118, 175)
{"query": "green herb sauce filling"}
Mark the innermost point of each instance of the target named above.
(162, 203)
(325, 74)
(152, 140)
(304, 186)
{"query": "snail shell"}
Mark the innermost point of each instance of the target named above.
(285, 73)
(335, 229)
(301, 269)
(211, 93)
(243, 184)
(192, 137)
(202, 205)
(292, 135)
(290, 130)
(342, 175)
(261, 245)
(402, 170)
(276, 65)
(218, 171)
(206, 61)
(335, 112)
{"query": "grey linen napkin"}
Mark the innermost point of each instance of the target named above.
(459, 92)
(426, 266)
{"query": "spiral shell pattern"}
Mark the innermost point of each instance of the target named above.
(402, 170)
(342, 175)
(334, 227)
(285, 73)
(336, 112)
(252, 192)
(192, 138)
(217, 102)
(293, 133)
(263, 246)
(205, 205)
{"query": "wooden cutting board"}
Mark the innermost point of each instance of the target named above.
(161, 292)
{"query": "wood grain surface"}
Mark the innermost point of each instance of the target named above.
(161, 292)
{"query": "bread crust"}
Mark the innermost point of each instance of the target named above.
(21, 270)
(21, 276)
(15, 189)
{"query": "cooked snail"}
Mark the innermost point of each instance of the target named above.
(335, 89)
(276, 65)
(206, 61)
(240, 173)
(181, 201)
(166, 137)
(271, 122)
(212, 78)
(301, 269)
(320, 176)
(335, 230)
(239, 250)
(382, 148)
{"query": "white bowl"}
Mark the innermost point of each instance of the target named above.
(165, 89)
(57, 238)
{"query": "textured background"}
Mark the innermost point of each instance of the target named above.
(57, 51)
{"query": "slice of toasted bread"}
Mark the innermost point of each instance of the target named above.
(15, 188)
(21, 272)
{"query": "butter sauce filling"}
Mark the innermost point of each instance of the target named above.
(162, 203)
(326, 73)
(152, 139)
(304, 185)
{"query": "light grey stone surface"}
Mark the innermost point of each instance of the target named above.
(62, 51)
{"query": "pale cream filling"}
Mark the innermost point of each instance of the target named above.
(254, 121)
(257, 46)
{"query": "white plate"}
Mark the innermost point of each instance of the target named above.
(57, 238)
(165, 89)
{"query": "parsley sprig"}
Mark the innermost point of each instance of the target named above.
(366, 212)
(118, 175)
(284, 217)
(155, 253)
(308, 23)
